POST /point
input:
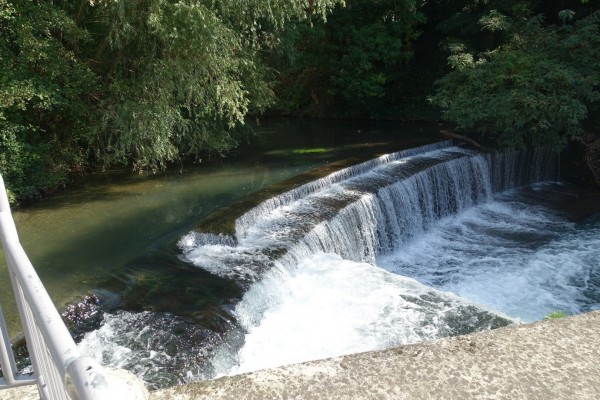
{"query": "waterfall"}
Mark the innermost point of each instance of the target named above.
(514, 168)
(416, 245)
(292, 248)
(365, 210)
(250, 217)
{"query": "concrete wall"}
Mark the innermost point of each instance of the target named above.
(556, 359)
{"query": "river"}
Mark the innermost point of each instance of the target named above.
(332, 269)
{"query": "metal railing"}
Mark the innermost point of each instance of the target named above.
(59, 369)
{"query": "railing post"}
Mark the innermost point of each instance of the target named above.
(97, 382)
(61, 371)
(4, 206)
(7, 358)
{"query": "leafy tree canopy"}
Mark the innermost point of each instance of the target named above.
(350, 65)
(540, 86)
(148, 82)
(43, 108)
(143, 82)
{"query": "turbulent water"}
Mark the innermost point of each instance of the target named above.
(417, 245)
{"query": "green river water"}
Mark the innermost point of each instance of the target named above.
(112, 229)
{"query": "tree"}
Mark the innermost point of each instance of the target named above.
(137, 82)
(540, 87)
(44, 91)
(181, 76)
(352, 65)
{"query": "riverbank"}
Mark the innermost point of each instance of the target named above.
(554, 359)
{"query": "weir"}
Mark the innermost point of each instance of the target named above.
(411, 247)
(359, 214)
(368, 209)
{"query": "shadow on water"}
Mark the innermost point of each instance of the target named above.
(162, 282)
(80, 247)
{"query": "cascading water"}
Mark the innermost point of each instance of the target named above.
(249, 218)
(411, 246)
(364, 210)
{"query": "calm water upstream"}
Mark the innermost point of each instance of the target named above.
(111, 230)
(417, 245)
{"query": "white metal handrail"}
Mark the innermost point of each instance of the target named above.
(60, 370)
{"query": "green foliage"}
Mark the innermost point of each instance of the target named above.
(148, 82)
(137, 82)
(351, 65)
(42, 112)
(181, 76)
(539, 87)
(179, 81)
(495, 21)
(556, 315)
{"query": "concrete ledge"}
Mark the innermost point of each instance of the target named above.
(556, 359)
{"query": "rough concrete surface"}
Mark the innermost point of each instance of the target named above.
(20, 393)
(122, 387)
(556, 359)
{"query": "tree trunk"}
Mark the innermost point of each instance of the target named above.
(592, 153)
(453, 135)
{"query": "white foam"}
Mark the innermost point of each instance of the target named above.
(514, 258)
(111, 344)
(161, 349)
(330, 306)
